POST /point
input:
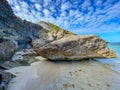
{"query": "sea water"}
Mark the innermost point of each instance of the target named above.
(115, 47)
(113, 61)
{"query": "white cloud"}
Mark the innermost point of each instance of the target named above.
(114, 10)
(38, 7)
(86, 4)
(46, 12)
(65, 6)
(52, 9)
(63, 14)
(24, 4)
(17, 8)
(46, 3)
(98, 2)
(13, 2)
(33, 1)
(88, 18)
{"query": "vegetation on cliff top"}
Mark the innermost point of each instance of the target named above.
(53, 27)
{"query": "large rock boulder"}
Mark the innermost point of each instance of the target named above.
(73, 47)
(7, 50)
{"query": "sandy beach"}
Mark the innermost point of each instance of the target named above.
(83, 75)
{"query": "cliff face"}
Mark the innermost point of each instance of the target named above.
(6, 13)
(47, 39)
(13, 28)
(5, 9)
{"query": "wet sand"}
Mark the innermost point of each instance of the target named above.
(82, 75)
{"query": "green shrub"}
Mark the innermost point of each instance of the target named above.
(54, 27)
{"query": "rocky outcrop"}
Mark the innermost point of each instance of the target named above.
(5, 9)
(74, 47)
(27, 56)
(47, 39)
(14, 28)
(5, 77)
(7, 50)
(23, 55)
(52, 33)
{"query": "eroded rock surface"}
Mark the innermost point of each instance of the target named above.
(7, 50)
(14, 28)
(74, 47)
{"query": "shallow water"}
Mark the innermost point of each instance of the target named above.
(100, 74)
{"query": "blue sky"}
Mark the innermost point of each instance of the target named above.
(101, 17)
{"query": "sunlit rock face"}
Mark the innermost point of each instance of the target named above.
(59, 44)
(74, 47)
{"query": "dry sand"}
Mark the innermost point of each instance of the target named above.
(83, 75)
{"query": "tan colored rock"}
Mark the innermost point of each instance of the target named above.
(74, 47)
(40, 58)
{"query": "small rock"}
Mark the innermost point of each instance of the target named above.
(21, 55)
(17, 57)
(40, 58)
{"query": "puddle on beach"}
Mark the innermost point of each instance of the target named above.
(78, 75)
